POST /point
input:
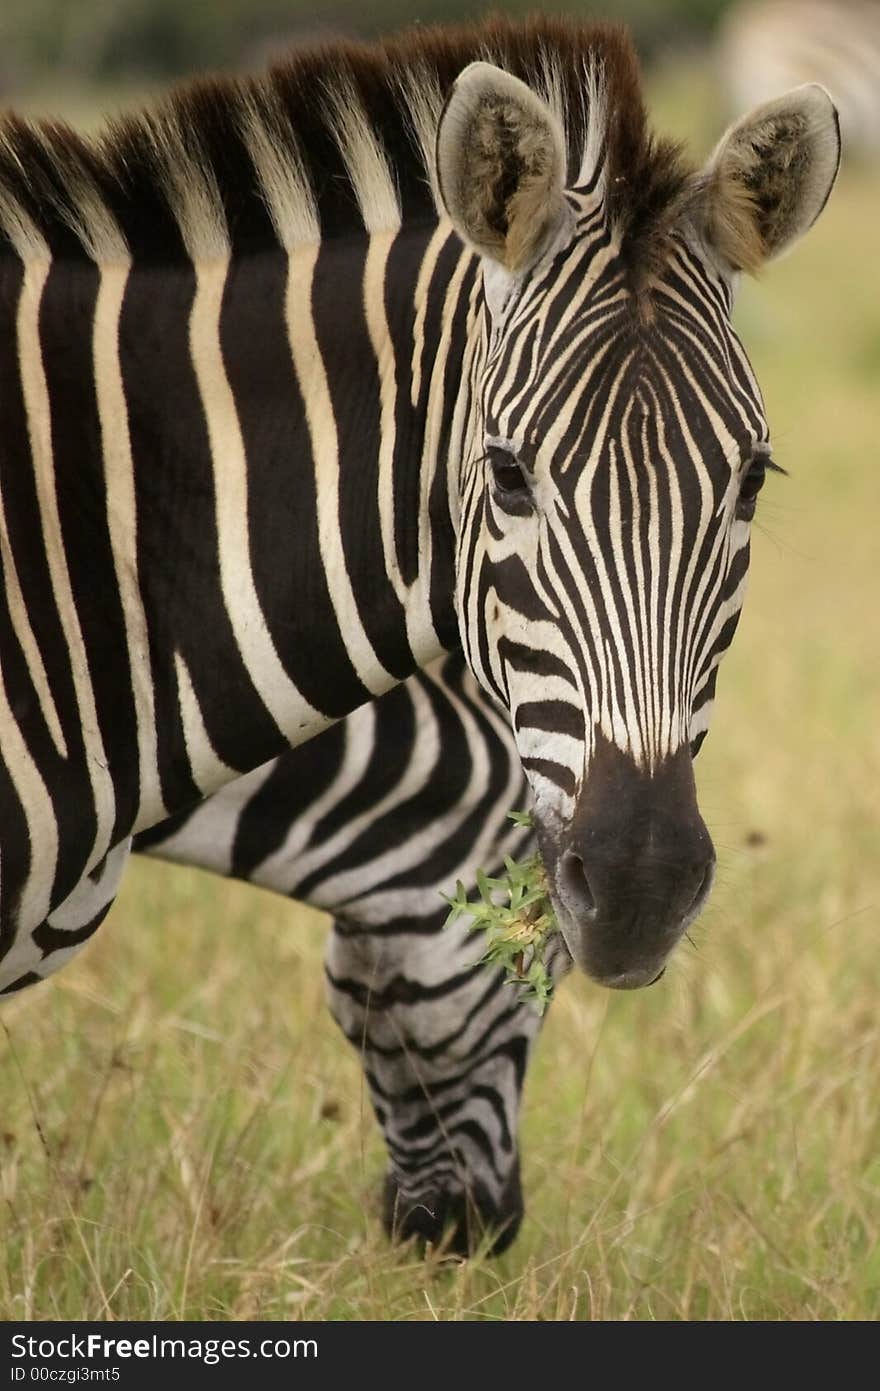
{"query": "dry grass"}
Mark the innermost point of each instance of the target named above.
(184, 1134)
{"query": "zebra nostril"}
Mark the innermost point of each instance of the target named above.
(702, 893)
(575, 886)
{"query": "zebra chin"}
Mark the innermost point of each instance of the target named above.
(632, 870)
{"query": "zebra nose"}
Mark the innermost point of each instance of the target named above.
(686, 882)
(636, 870)
(623, 916)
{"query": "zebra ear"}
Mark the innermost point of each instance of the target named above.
(769, 177)
(501, 161)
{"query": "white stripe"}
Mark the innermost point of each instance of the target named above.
(414, 778)
(282, 870)
(645, 627)
(423, 284)
(21, 624)
(122, 526)
(633, 681)
(292, 713)
(313, 384)
(383, 348)
(353, 889)
(207, 836)
(208, 768)
(36, 400)
(35, 899)
(621, 729)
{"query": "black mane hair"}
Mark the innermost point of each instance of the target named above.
(53, 179)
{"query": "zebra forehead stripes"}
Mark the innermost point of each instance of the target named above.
(628, 415)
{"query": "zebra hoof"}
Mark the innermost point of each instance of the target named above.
(459, 1224)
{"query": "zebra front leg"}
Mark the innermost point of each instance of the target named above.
(444, 1043)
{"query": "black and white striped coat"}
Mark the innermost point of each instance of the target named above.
(373, 821)
(309, 378)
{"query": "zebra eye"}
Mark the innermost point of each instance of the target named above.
(507, 475)
(750, 488)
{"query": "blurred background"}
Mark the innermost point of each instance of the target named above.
(64, 54)
(91, 41)
(183, 1131)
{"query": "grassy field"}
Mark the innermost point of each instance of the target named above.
(184, 1134)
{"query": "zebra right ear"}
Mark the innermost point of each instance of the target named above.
(769, 178)
(501, 161)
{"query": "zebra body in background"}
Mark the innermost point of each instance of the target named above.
(373, 821)
(307, 379)
(765, 48)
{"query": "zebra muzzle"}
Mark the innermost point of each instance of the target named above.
(634, 868)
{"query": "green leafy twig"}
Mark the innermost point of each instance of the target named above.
(517, 918)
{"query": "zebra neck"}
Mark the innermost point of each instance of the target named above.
(242, 491)
(334, 387)
(329, 386)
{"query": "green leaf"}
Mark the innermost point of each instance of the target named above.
(515, 932)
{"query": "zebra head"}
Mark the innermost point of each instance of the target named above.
(608, 487)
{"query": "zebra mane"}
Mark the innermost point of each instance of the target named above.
(335, 140)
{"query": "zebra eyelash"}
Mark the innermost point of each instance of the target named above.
(766, 463)
(761, 453)
(751, 483)
(510, 484)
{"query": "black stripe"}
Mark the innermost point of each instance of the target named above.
(66, 778)
(16, 850)
(49, 938)
(555, 772)
(401, 276)
(29, 978)
(443, 536)
(534, 660)
(402, 989)
(282, 506)
(391, 755)
(294, 785)
(353, 383)
(553, 716)
(178, 563)
(446, 857)
(66, 319)
(392, 745)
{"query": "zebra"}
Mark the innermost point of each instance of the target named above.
(373, 821)
(309, 378)
(764, 48)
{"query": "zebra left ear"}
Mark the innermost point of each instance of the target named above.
(769, 178)
(501, 162)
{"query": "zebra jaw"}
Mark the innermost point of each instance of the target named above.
(633, 868)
